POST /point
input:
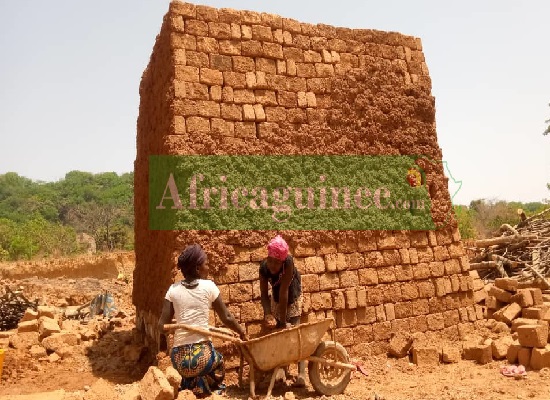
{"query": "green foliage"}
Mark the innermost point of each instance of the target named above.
(38, 218)
(465, 219)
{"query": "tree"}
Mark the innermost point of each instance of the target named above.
(465, 220)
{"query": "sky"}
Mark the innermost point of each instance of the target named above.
(70, 73)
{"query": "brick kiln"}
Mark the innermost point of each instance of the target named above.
(222, 81)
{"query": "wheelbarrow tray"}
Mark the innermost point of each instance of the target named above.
(287, 346)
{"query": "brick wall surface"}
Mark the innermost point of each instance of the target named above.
(223, 81)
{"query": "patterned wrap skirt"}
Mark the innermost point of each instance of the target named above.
(293, 310)
(201, 367)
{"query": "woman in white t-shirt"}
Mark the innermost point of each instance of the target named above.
(190, 301)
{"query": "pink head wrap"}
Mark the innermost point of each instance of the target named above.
(277, 248)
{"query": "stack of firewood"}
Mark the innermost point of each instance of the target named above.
(12, 308)
(521, 251)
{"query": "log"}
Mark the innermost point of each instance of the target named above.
(208, 332)
(509, 228)
(483, 265)
(502, 240)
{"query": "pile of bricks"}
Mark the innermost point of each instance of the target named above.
(527, 312)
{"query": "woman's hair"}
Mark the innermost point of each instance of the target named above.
(190, 259)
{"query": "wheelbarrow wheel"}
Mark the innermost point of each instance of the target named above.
(326, 379)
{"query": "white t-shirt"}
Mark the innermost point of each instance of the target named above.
(191, 307)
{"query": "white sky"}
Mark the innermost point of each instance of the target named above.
(70, 73)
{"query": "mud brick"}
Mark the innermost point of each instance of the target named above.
(441, 253)
(400, 325)
(380, 313)
(425, 254)
(418, 324)
(266, 65)
(202, 108)
(326, 248)
(207, 45)
(420, 307)
(216, 93)
(418, 239)
(355, 260)
(464, 263)
(248, 112)
(251, 311)
(452, 302)
(236, 32)
(451, 317)
(421, 270)
(301, 41)
(338, 299)
(455, 250)
(452, 267)
(259, 114)
(381, 331)
(389, 310)
(512, 353)
(501, 295)
(248, 272)
(523, 297)
(500, 346)
(198, 125)
(533, 335)
(240, 292)
(312, 56)
(426, 289)
(346, 318)
(295, 84)
(440, 287)
(388, 240)
(272, 50)
(546, 297)
(246, 32)
(481, 353)
(524, 321)
(480, 296)
(265, 97)
(275, 114)
(316, 302)
(436, 322)
(243, 96)
(229, 48)
(368, 276)
(392, 293)
(245, 129)
(533, 312)
(436, 305)
(400, 345)
(243, 64)
(310, 283)
(472, 314)
(366, 315)
(428, 355)
(536, 294)
(465, 284)
(492, 303)
(196, 91)
(295, 55)
(361, 297)
(386, 274)
(540, 358)
(450, 354)
(509, 284)
(409, 291)
(351, 298)
(187, 73)
(348, 278)
(251, 48)
(335, 262)
(344, 336)
(403, 310)
(329, 281)
(206, 13)
(314, 265)
(223, 128)
(230, 274)
(374, 259)
(455, 283)
(437, 269)
(403, 273)
(391, 257)
(524, 355)
(195, 27)
(375, 296)
(306, 302)
(480, 312)
(235, 80)
(363, 334)
(287, 99)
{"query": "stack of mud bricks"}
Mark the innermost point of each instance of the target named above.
(223, 81)
(240, 74)
(396, 282)
(527, 311)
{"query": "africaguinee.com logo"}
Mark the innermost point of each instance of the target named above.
(288, 192)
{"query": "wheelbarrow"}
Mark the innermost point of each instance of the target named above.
(329, 369)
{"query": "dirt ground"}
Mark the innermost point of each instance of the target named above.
(111, 360)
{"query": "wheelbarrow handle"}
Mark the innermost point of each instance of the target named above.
(171, 327)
